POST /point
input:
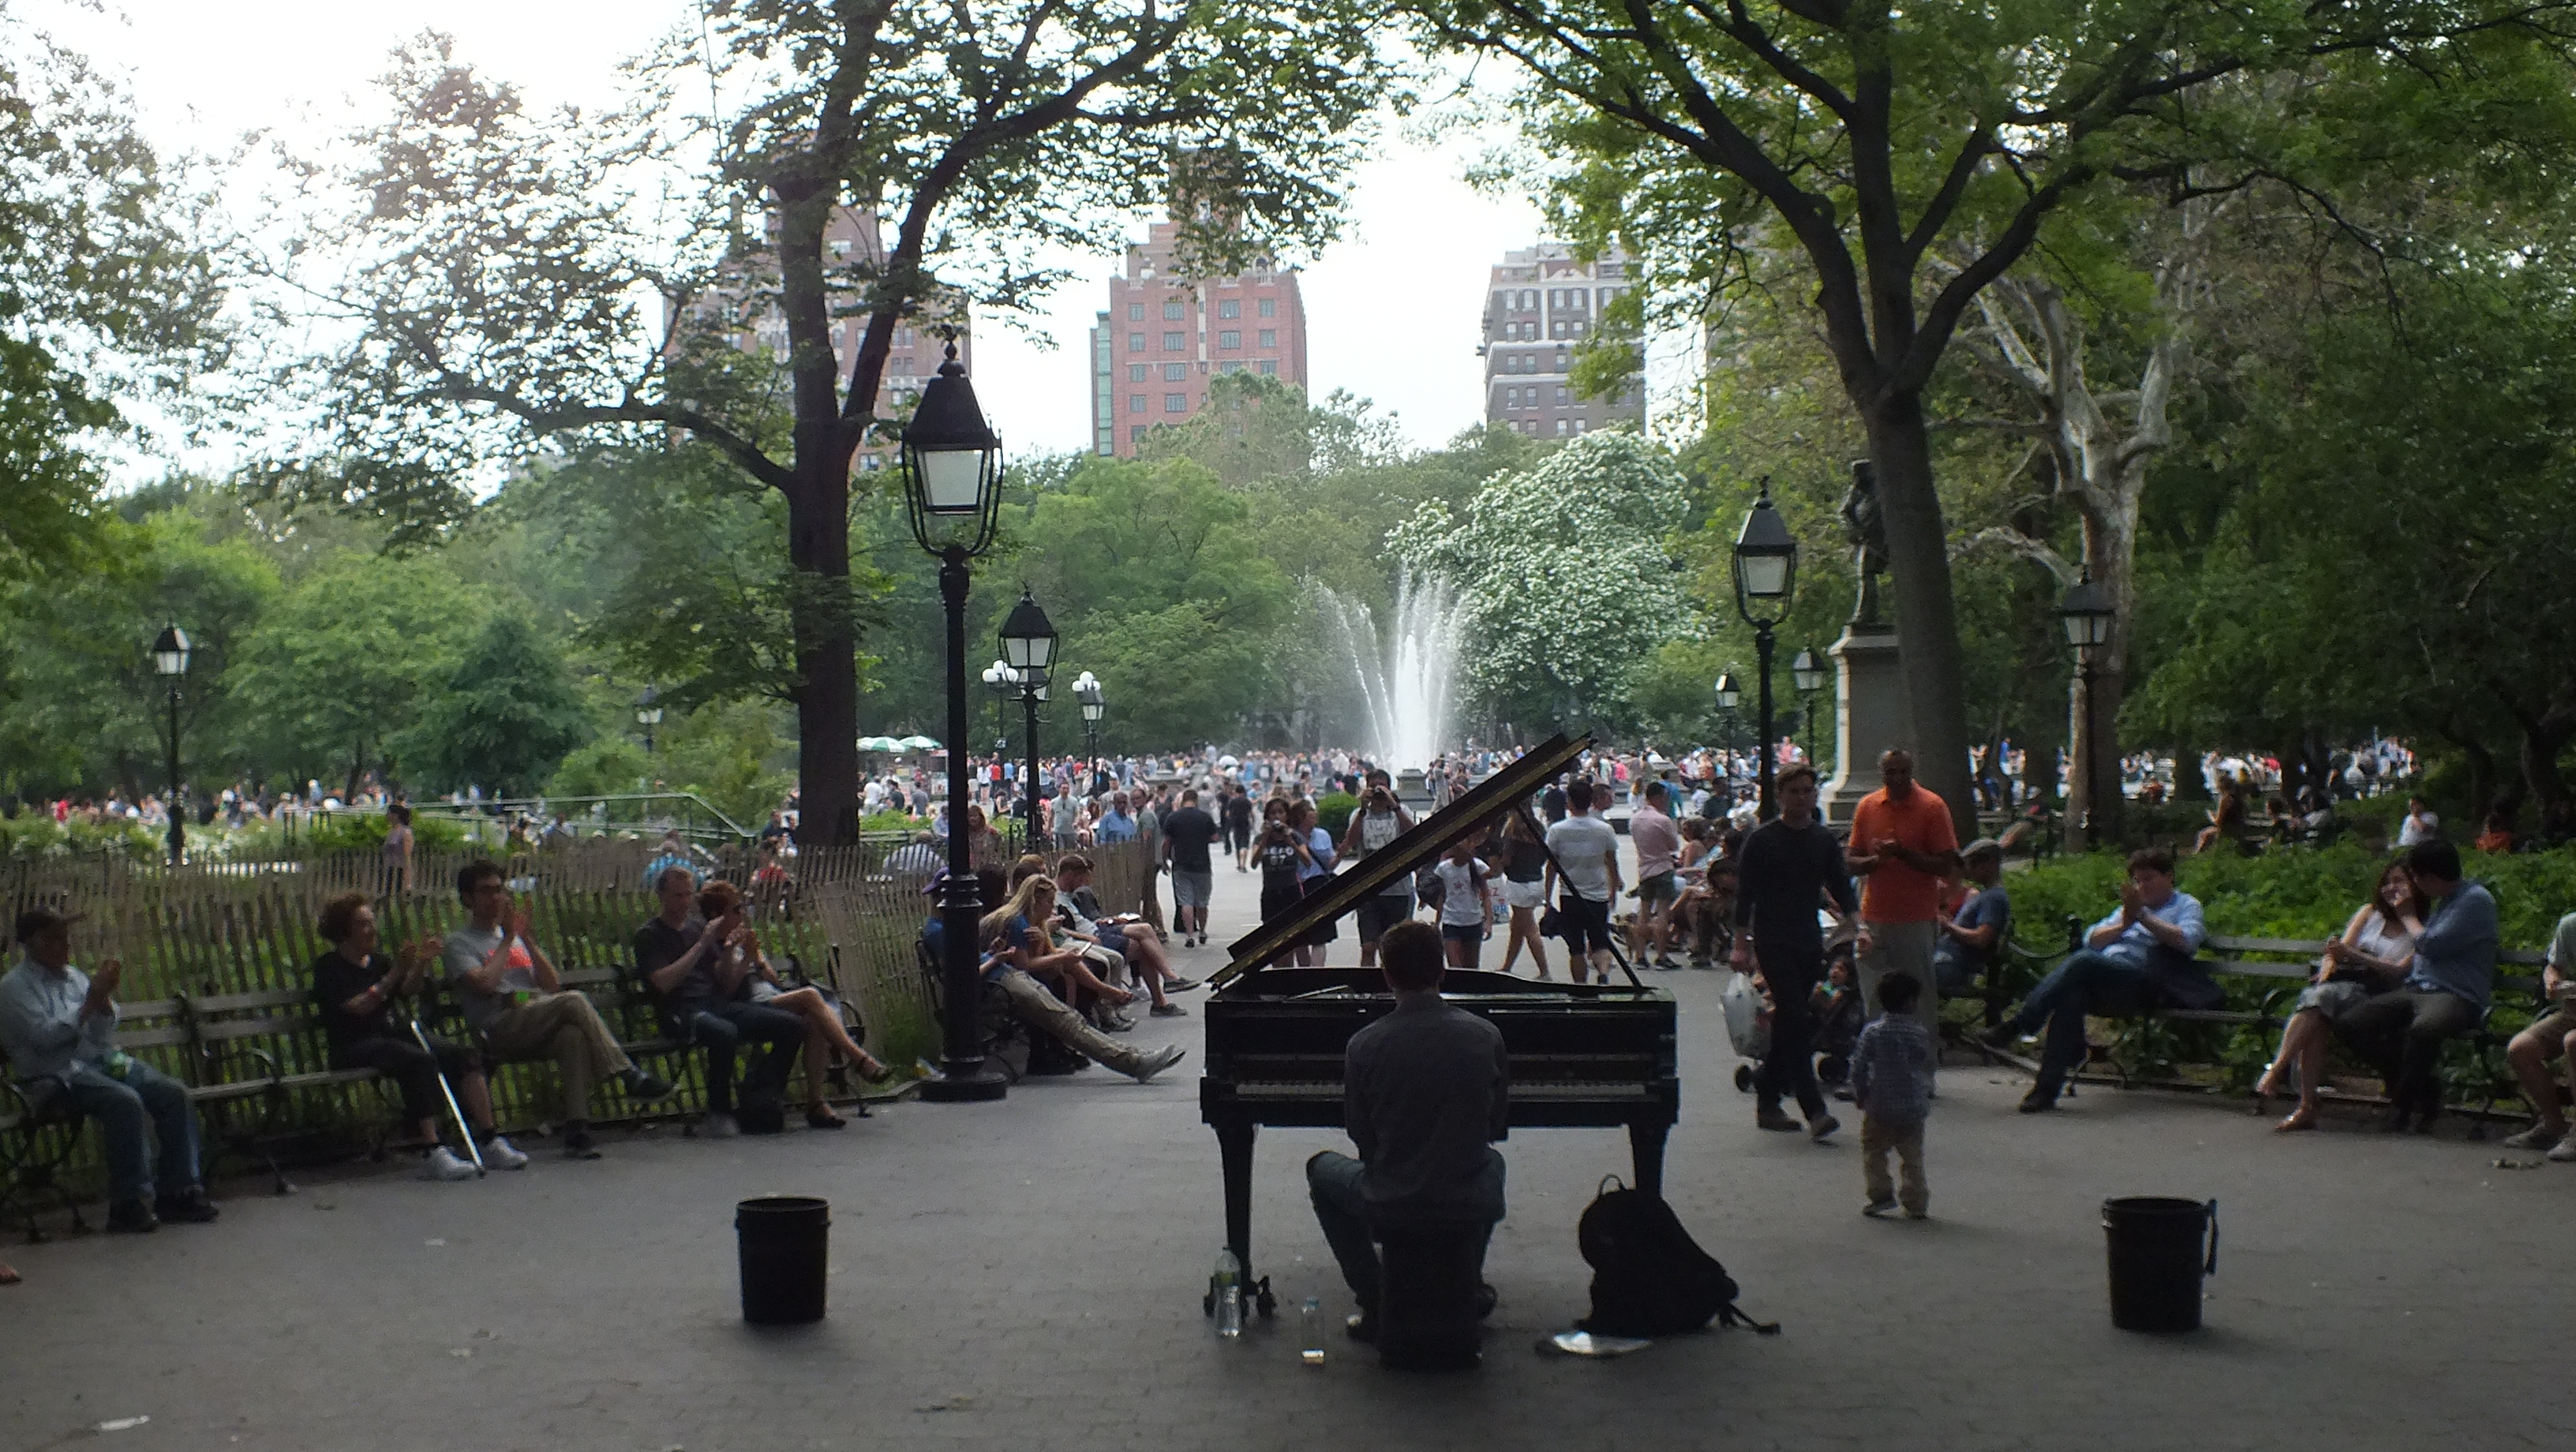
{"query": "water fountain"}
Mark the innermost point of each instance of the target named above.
(1407, 675)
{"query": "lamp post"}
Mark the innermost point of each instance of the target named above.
(998, 680)
(1766, 571)
(1086, 689)
(648, 714)
(1028, 644)
(1808, 670)
(952, 467)
(170, 660)
(2086, 612)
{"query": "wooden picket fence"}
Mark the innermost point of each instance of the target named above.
(232, 928)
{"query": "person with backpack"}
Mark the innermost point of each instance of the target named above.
(1891, 1074)
(1426, 1091)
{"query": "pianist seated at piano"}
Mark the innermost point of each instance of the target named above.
(1012, 945)
(1425, 1092)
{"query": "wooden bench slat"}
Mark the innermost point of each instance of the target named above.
(230, 1029)
(2267, 945)
(241, 1002)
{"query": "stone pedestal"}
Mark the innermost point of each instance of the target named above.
(1871, 714)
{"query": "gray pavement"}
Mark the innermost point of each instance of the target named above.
(1026, 1275)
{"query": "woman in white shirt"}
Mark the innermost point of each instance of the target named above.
(2370, 959)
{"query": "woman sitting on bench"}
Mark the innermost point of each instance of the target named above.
(2370, 959)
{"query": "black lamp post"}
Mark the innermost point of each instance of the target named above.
(1028, 645)
(997, 679)
(648, 714)
(1766, 571)
(1809, 672)
(952, 466)
(1086, 689)
(2086, 613)
(170, 660)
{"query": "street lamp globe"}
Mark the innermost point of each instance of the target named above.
(1028, 639)
(1808, 671)
(952, 464)
(170, 651)
(2086, 613)
(1728, 692)
(648, 708)
(1766, 560)
(1086, 689)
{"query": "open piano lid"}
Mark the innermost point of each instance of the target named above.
(1400, 858)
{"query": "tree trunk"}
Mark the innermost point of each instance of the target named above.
(2544, 739)
(2189, 784)
(827, 698)
(1927, 624)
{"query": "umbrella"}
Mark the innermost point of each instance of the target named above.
(919, 743)
(879, 743)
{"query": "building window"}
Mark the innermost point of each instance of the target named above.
(1270, 307)
(1175, 372)
(1270, 367)
(1556, 327)
(1135, 372)
(1574, 329)
(1230, 365)
(1270, 337)
(1231, 307)
(1174, 311)
(1135, 312)
(1564, 396)
(1175, 342)
(1607, 294)
(1581, 425)
(1560, 428)
(1230, 338)
(1135, 342)
(1135, 403)
(1176, 403)
(1135, 433)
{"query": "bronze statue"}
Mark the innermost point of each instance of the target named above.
(1869, 540)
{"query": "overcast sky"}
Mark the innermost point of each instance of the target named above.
(1392, 310)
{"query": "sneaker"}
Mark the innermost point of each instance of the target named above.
(444, 1165)
(1918, 1214)
(1170, 1010)
(188, 1207)
(1822, 1127)
(131, 1217)
(2565, 1150)
(1116, 1023)
(2538, 1137)
(1182, 985)
(578, 1145)
(2001, 1036)
(1876, 1208)
(640, 1085)
(1361, 1328)
(2039, 1101)
(719, 1126)
(500, 1154)
(1774, 1119)
(1156, 1062)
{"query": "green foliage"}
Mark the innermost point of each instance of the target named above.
(2287, 892)
(732, 756)
(34, 834)
(505, 719)
(604, 766)
(1333, 812)
(365, 832)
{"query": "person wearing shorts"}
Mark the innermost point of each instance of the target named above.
(1187, 834)
(1375, 824)
(2552, 1037)
(1586, 857)
(1658, 844)
(1466, 908)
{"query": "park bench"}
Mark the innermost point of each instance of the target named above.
(996, 1025)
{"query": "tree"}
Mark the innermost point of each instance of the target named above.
(498, 253)
(104, 293)
(505, 720)
(1565, 574)
(1714, 135)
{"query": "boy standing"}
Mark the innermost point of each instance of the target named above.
(1891, 1069)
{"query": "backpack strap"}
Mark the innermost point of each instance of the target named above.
(1732, 1315)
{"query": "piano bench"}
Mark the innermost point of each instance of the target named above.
(1430, 1299)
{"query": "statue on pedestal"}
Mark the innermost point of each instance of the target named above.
(1868, 532)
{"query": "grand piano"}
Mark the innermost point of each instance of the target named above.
(1581, 1055)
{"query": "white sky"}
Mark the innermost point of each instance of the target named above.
(1392, 311)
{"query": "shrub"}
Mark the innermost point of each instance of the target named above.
(1333, 811)
(2289, 892)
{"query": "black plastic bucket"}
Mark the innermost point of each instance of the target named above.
(785, 1245)
(2160, 1248)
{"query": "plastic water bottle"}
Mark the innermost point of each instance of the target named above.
(1311, 1317)
(1229, 1295)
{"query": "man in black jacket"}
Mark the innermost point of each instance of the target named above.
(1789, 866)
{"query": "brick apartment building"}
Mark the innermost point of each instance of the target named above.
(1541, 303)
(1163, 336)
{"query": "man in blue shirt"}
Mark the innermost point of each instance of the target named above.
(2444, 993)
(58, 1027)
(2138, 956)
(1117, 824)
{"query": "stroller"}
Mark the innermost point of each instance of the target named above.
(1838, 1017)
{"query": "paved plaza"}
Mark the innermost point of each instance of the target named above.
(1026, 1276)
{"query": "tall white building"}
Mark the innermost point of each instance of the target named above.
(1540, 304)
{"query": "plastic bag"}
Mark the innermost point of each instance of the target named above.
(1744, 1026)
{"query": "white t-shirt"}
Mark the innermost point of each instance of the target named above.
(1461, 905)
(1583, 847)
(2418, 828)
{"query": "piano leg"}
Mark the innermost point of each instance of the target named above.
(1646, 1150)
(1234, 1149)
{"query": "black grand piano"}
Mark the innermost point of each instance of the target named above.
(1582, 1055)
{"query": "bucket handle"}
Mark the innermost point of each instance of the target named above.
(2210, 1266)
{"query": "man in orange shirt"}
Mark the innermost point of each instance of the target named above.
(1902, 847)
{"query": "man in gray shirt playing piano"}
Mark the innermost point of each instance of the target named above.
(1425, 1092)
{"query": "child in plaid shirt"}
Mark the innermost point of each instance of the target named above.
(1891, 1074)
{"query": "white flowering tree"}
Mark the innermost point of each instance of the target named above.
(1565, 574)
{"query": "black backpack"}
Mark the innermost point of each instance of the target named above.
(1649, 1278)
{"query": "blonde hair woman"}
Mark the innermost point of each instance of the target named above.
(1032, 905)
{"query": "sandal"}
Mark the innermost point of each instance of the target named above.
(824, 1118)
(2297, 1120)
(873, 1071)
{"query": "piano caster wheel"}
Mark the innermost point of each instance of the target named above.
(1267, 1303)
(1744, 1078)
